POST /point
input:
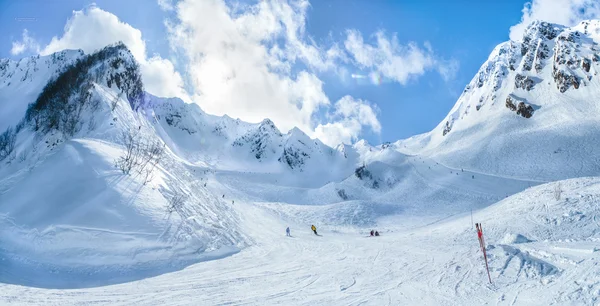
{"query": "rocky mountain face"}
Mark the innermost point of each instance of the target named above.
(22, 81)
(531, 111)
(63, 100)
(566, 57)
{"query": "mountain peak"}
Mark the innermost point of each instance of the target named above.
(541, 29)
(546, 82)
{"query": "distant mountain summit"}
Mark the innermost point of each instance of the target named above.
(532, 110)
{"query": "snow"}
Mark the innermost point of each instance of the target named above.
(75, 230)
(22, 81)
(559, 141)
(439, 263)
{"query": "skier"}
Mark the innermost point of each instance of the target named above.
(372, 233)
(376, 233)
(314, 229)
(287, 232)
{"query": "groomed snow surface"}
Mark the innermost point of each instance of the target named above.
(541, 251)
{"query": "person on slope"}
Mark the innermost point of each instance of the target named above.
(287, 232)
(314, 229)
(376, 233)
(372, 233)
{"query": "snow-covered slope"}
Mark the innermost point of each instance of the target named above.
(541, 251)
(531, 111)
(70, 208)
(72, 214)
(68, 211)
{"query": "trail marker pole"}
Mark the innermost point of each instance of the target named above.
(482, 243)
(471, 216)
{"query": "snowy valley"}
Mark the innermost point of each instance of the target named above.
(111, 195)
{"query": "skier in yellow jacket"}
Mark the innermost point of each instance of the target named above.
(314, 229)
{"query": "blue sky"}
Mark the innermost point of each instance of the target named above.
(307, 75)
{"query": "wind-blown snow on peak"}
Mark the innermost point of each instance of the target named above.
(530, 111)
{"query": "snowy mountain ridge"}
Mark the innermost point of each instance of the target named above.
(533, 101)
(117, 68)
(22, 81)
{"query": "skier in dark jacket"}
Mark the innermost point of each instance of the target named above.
(376, 233)
(372, 233)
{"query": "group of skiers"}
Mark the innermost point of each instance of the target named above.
(314, 229)
(289, 234)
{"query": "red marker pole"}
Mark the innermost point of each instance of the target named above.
(482, 242)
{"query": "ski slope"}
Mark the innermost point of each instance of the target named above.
(74, 229)
(550, 264)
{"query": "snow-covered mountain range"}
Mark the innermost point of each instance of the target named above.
(531, 111)
(103, 183)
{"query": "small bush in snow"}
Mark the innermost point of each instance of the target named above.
(342, 194)
(176, 202)
(141, 154)
(557, 191)
(23, 155)
(8, 140)
(92, 124)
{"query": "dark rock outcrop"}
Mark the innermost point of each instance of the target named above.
(565, 81)
(447, 128)
(525, 110)
(585, 64)
(519, 106)
(524, 82)
(510, 105)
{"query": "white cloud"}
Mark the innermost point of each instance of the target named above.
(93, 28)
(161, 79)
(240, 64)
(166, 5)
(389, 59)
(448, 69)
(242, 61)
(350, 117)
(27, 43)
(565, 12)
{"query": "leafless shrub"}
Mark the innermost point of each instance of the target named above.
(92, 124)
(557, 191)
(114, 103)
(176, 202)
(141, 154)
(8, 140)
(23, 155)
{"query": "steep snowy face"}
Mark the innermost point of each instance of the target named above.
(262, 141)
(64, 99)
(565, 57)
(533, 101)
(22, 81)
(232, 144)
